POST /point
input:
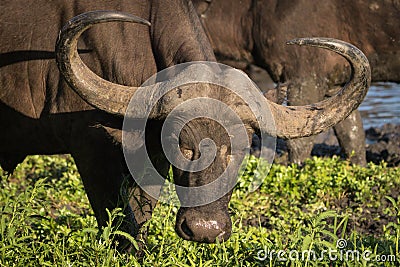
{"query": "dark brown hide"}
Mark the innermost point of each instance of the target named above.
(40, 114)
(45, 116)
(246, 32)
(209, 220)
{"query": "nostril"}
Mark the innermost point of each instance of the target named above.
(196, 226)
(185, 228)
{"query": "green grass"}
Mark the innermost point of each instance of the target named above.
(46, 219)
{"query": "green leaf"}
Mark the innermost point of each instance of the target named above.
(131, 239)
(306, 243)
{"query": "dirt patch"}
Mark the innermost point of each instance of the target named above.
(384, 144)
(363, 218)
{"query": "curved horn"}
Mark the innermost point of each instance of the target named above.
(102, 94)
(301, 121)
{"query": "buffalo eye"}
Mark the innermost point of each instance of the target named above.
(187, 153)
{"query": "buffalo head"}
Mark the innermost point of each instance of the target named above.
(190, 142)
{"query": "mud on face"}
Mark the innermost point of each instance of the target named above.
(206, 177)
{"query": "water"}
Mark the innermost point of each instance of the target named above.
(381, 105)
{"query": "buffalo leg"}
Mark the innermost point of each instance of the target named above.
(351, 137)
(143, 204)
(101, 166)
(301, 93)
(300, 149)
(350, 132)
(103, 184)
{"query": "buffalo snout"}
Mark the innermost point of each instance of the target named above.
(203, 224)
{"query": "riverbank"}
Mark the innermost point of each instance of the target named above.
(382, 144)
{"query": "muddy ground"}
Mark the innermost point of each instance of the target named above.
(382, 144)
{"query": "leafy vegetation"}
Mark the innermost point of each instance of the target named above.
(298, 214)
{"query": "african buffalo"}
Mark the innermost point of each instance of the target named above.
(246, 32)
(47, 111)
